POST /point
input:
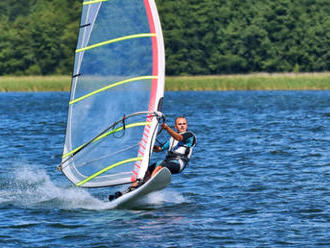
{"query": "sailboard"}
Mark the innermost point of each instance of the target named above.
(116, 93)
(156, 183)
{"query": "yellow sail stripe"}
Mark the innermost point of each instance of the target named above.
(116, 40)
(137, 124)
(108, 168)
(94, 1)
(111, 86)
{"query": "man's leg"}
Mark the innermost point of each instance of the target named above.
(158, 168)
(136, 184)
(147, 176)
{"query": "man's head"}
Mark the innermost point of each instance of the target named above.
(181, 124)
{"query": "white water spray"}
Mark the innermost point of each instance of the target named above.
(28, 186)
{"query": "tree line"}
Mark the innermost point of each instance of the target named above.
(38, 37)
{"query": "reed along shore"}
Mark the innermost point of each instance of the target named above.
(34, 83)
(258, 81)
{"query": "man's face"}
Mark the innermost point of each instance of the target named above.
(181, 125)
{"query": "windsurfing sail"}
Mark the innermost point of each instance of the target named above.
(116, 92)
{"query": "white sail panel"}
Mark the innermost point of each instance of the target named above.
(118, 71)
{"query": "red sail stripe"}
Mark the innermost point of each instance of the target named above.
(142, 146)
(153, 93)
(154, 82)
(137, 165)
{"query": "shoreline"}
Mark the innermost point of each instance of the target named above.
(254, 81)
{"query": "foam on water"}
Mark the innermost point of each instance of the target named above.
(29, 186)
(165, 196)
(159, 199)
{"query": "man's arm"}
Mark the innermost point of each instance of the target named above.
(157, 149)
(171, 132)
(161, 148)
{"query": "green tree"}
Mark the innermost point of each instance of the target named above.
(201, 37)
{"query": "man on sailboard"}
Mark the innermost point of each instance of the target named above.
(179, 150)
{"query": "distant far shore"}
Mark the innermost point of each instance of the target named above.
(255, 81)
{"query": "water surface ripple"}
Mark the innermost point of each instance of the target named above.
(259, 176)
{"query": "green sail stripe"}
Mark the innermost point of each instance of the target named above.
(111, 86)
(116, 40)
(94, 1)
(137, 124)
(108, 168)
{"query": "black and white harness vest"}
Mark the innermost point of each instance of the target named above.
(180, 152)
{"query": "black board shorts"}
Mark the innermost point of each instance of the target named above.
(173, 167)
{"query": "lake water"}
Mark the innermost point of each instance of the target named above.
(259, 177)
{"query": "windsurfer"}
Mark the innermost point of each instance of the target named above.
(179, 150)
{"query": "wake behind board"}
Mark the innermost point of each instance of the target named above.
(157, 182)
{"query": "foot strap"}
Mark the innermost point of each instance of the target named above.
(115, 196)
